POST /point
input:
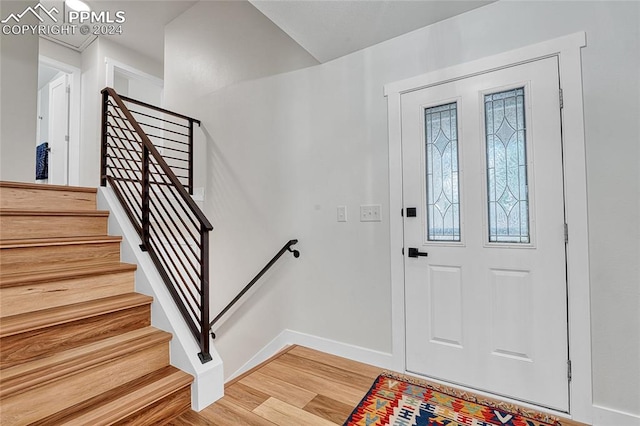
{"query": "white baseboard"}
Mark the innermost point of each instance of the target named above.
(603, 416)
(345, 350)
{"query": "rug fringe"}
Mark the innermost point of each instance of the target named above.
(472, 397)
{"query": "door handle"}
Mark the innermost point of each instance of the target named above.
(414, 252)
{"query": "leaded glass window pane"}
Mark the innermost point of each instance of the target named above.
(443, 205)
(508, 197)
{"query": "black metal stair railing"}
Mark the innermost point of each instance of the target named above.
(154, 183)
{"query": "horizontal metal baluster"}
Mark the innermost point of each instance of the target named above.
(163, 129)
(174, 237)
(116, 190)
(158, 118)
(193, 220)
(166, 139)
(163, 252)
(149, 188)
(175, 149)
(158, 251)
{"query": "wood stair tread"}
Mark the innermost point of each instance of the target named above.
(78, 347)
(25, 185)
(37, 242)
(21, 278)
(35, 373)
(121, 402)
(57, 212)
(29, 321)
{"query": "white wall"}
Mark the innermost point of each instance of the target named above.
(93, 81)
(218, 43)
(215, 44)
(284, 151)
(121, 84)
(90, 107)
(19, 94)
(59, 53)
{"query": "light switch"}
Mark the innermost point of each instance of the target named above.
(342, 213)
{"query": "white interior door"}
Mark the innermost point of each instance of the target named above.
(482, 166)
(59, 131)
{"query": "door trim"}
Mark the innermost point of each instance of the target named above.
(75, 81)
(568, 51)
(112, 66)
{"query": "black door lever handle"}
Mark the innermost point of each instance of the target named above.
(414, 252)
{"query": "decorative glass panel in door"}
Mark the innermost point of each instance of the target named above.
(507, 190)
(441, 144)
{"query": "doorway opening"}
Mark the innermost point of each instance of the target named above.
(133, 83)
(57, 123)
(567, 49)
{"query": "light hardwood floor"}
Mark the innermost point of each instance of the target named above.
(299, 386)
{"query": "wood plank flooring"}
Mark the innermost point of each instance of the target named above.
(299, 386)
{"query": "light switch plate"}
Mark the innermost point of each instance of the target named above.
(342, 214)
(370, 213)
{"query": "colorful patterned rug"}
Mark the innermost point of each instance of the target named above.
(396, 400)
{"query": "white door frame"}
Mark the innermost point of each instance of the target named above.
(567, 49)
(59, 166)
(112, 66)
(75, 84)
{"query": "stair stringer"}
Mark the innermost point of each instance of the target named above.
(208, 384)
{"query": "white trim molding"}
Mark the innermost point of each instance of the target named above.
(568, 51)
(333, 347)
(112, 66)
(75, 92)
(608, 416)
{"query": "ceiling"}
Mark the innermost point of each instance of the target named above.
(331, 29)
(327, 29)
(143, 29)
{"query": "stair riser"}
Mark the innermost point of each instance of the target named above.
(16, 227)
(47, 258)
(151, 400)
(41, 342)
(45, 199)
(49, 294)
(37, 403)
(77, 346)
(161, 412)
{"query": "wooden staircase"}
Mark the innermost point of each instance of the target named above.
(76, 344)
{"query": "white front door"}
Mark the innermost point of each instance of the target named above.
(59, 131)
(485, 270)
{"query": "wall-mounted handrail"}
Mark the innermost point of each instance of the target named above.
(283, 250)
(173, 229)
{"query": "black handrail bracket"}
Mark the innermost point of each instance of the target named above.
(283, 250)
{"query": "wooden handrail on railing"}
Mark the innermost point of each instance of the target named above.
(189, 126)
(173, 229)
